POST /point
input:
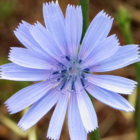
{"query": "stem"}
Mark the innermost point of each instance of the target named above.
(124, 22)
(32, 134)
(12, 126)
(85, 11)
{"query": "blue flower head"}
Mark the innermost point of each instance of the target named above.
(52, 56)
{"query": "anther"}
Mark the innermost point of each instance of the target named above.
(79, 61)
(86, 69)
(63, 85)
(82, 82)
(82, 75)
(56, 72)
(67, 58)
(58, 79)
(72, 86)
(69, 77)
(62, 71)
(62, 76)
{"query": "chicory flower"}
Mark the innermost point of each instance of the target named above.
(54, 56)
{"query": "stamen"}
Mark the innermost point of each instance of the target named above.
(82, 82)
(56, 72)
(86, 69)
(69, 77)
(63, 66)
(82, 75)
(58, 79)
(67, 58)
(63, 85)
(73, 82)
(55, 81)
(72, 86)
(62, 76)
(79, 61)
(62, 71)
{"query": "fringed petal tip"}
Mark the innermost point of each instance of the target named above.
(73, 7)
(115, 37)
(93, 129)
(107, 16)
(1, 73)
(104, 14)
(9, 108)
(132, 89)
(20, 27)
(37, 24)
(10, 51)
(22, 128)
(113, 83)
(52, 3)
(129, 110)
(24, 22)
(7, 103)
(51, 138)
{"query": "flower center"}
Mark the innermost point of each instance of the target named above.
(68, 76)
(74, 69)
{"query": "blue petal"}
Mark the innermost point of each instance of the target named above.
(25, 37)
(27, 96)
(74, 25)
(97, 31)
(39, 109)
(15, 72)
(55, 23)
(76, 128)
(46, 41)
(103, 50)
(58, 118)
(112, 83)
(110, 98)
(125, 56)
(30, 59)
(87, 112)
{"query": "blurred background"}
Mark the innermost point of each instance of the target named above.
(113, 124)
